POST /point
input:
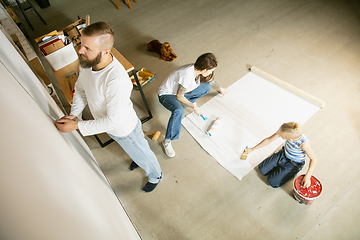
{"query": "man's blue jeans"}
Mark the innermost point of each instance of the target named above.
(138, 149)
(177, 110)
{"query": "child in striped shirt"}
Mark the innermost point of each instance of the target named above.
(283, 165)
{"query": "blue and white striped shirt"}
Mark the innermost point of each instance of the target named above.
(293, 149)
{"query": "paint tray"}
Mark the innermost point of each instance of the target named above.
(144, 77)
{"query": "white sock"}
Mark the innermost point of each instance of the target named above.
(167, 140)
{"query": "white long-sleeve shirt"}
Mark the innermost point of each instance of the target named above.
(107, 92)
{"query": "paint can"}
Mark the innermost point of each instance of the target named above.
(307, 195)
(213, 127)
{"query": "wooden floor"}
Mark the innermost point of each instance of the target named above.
(311, 44)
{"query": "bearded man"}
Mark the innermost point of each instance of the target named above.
(105, 86)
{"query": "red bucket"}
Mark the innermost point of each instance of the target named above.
(307, 195)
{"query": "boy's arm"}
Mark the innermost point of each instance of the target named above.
(263, 143)
(306, 182)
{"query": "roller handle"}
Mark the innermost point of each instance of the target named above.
(203, 117)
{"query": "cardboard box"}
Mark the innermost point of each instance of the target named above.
(72, 31)
(74, 35)
(62, 57)
(74, 24)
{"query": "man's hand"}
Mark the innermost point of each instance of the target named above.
(66, 125)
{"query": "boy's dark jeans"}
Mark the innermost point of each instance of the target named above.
(279, 168)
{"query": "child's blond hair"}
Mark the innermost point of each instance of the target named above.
(291, 127)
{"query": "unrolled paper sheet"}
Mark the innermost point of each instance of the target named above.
(253, 110)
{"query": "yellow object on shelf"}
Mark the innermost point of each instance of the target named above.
(144, 77)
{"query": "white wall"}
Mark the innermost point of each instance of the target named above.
(50, 184)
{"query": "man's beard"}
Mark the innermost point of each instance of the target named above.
(86, 63)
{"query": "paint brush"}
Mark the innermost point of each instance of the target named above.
(244, 154)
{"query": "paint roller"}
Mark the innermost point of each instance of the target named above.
(213, 127)
(154, 136)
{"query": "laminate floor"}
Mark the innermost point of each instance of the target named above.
(311, 44)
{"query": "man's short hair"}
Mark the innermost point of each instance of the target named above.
(99, 29)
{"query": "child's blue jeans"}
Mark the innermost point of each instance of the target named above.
(279, 168)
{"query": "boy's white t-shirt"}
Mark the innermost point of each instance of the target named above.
(183, 76)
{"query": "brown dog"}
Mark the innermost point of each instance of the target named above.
(164, 50)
